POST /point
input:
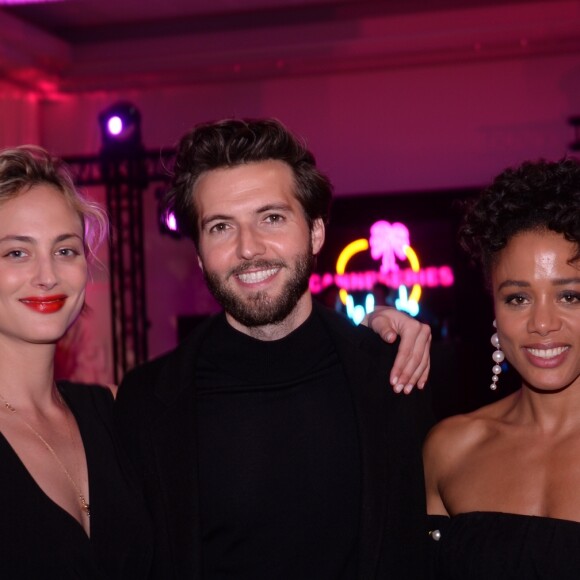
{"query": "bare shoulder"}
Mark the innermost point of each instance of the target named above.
(453, 438)
(450, 438)
(447, 446)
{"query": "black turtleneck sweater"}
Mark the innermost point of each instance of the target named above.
(278, 457)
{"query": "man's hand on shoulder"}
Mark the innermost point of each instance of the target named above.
(411, 365)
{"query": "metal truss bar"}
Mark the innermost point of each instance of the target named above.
(125, 178)
(88, 169)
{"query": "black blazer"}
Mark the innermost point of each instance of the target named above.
(156, 414)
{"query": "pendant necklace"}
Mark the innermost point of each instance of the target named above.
(84, 505)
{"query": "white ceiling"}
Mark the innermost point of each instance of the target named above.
(88, 45)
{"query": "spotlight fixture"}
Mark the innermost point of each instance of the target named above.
(168, 224)
(121, 128)
(165, 217)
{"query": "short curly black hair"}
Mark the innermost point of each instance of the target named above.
(537, 195)
(233, 142)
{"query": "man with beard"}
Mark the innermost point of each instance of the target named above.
(268, 443)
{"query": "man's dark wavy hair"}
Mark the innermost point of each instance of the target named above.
(234, 142)
(535, 196)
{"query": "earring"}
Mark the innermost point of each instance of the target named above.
(498, 357)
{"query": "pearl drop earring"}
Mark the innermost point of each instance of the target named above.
(498, 357)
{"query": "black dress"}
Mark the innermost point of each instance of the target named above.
(38, 539)
(500, 546)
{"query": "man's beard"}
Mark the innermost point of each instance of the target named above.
(260, 309)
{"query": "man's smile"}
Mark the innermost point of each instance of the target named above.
(257, 276)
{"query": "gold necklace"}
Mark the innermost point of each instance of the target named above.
(84, 505)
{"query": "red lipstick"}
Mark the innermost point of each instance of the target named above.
(45, 304)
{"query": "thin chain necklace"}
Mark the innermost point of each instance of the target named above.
(84, 505)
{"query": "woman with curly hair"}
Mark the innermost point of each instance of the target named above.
(502, 482)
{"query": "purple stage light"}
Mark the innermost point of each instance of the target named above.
(115, 125)
(171, 222)
(121, 129)
(166, 219)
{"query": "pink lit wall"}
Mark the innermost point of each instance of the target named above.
(381, 131)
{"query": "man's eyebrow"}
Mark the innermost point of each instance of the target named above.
(274, 206)
(262, 209)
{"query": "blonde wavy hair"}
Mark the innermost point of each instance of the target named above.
(27, 166)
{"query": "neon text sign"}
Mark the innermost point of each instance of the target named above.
(389, 243)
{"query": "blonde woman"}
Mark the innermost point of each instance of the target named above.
(68, 507)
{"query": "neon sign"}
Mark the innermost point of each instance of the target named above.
(389, 243)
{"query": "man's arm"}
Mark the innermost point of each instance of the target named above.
(411, 366)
